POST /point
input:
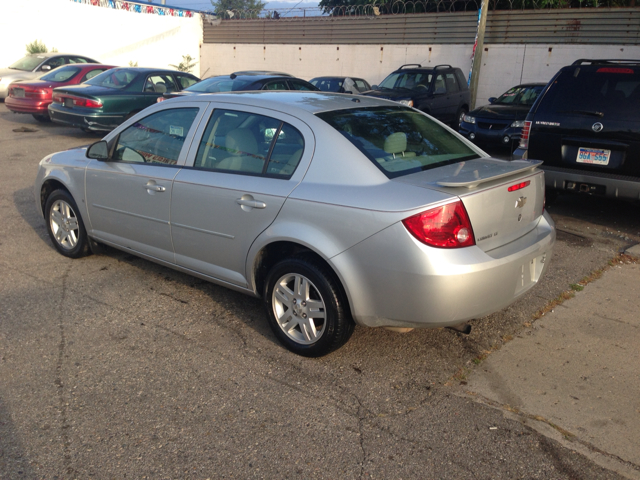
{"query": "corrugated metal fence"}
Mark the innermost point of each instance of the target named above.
(611, 26)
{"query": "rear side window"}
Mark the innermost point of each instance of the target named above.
(248, 143)
(399, 140)
(596, 91)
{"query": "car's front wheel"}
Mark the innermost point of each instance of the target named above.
(65, 226)
(307, 307)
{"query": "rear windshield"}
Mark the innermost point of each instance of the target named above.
(28, 63)
(61, 74)
(117, 78)
(398, 140)
(217, 84)
(606, 91)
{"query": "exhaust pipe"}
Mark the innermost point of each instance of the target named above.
(464, 328)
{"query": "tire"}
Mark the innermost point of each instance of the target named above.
(65, 225)
(458, 121)
(307, 307)
(41, 118)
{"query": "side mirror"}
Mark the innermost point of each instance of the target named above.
(98, 151)
(492, 99)
(374, 87)
(45, 68)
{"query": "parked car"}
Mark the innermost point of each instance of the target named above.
(500, 122)
(105, 101)
(332, 211)
(440, 91)
(248, 81)
(35, 96)
(32, 66)
(341, 84)
(586, 128)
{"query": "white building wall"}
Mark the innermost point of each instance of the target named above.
(503, 66)
(110, 36)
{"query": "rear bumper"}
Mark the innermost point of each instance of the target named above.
(420, 286)
(84, 119)
(607, 184)
(25, 105)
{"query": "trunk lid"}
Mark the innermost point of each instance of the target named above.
(504, 200)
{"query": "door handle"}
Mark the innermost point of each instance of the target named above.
(251, 203)
(154, 188)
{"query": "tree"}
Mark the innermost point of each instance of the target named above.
(37, 47)
(186, 65)
(238, 8)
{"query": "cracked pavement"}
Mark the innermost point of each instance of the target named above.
(114, 367)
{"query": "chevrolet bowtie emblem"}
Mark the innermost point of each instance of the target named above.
(520, 202)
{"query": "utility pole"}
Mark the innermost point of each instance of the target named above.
(476, 62)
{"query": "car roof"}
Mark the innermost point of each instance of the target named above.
(291, 100)
(148, 70)
(416, 67)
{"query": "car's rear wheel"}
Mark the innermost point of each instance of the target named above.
(307, 307)
(42, 118)
(65, 226)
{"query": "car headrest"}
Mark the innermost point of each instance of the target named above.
(395, 143)
(241, 142)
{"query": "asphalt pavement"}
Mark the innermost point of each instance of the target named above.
(115, 367)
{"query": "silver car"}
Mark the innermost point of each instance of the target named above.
(334, 210)
(34, 65)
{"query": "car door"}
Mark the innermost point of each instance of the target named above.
(129, 196)
(247, 162)
(444, 104)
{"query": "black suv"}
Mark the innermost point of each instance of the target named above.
(440, 91)
(585, 126)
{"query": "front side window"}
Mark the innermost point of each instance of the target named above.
(55, 62)
(361, 85)
(157, 138)
(242, 142)
(451, 83)
(398, 140)
(61, 74)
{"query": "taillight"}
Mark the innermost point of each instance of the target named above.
(447, 226)
(87, 102)
(519, 186)
(57, 99)
(524, 136)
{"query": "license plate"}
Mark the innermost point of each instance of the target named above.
(594, 156)
(18, 92)
(68, 102)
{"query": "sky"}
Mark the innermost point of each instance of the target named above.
(206, 4)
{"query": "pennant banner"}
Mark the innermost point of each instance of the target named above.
(138, 7)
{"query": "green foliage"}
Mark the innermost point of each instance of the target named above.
(239, 8)
(186, 65)
(37, 47)
(133, 64)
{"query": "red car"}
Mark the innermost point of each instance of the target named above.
(34, 96)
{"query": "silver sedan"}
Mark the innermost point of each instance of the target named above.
(334, 210)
